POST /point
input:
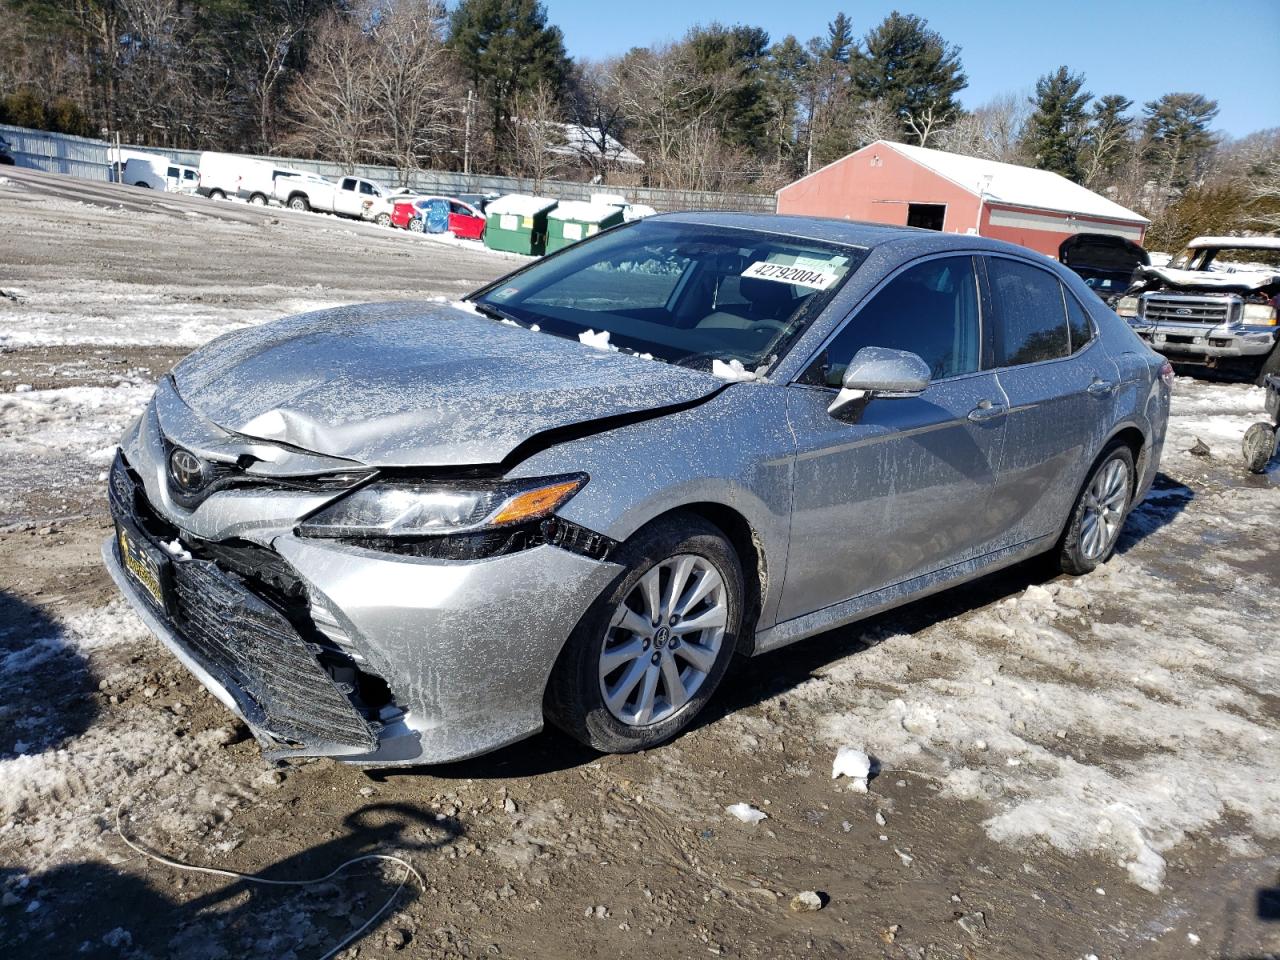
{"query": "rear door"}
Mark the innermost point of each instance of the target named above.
(1059, 382)
(904, 486)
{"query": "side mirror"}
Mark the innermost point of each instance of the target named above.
(881, 372)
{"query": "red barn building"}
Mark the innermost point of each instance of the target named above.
(913, 186)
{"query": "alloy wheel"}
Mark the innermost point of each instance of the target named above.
(663, 640)
(1104, 504)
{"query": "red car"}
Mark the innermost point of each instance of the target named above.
(465, 221)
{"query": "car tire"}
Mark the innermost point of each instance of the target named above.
(416, 225)
(258, 200)
(1099, 513)
(383, 219)
(575, 698)
(1258, 446)
(143, 184)
(1270, 366)
(299, 203)
(217, 195)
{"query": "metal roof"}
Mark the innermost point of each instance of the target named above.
(1006, 183)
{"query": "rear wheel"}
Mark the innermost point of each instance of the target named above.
(299, 203)
(383, 219)
(258, 200)
(217, 195)
(1099, 513)
(654, 646)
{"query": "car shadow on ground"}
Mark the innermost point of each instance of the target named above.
(35, 714)
(92, 909)
(1166, 499)
(752, 680)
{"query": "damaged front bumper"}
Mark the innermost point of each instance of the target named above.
(1207, 343)
(354, 654)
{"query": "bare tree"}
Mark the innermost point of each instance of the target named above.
(993, 131)
(333, 100)
(924, 121)
(672, 111)
(411, 88)
(537, 129)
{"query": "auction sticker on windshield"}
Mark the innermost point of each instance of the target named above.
(800, 276)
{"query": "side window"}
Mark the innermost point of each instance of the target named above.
(930, 309)
(366, 187)
(172, 172)
(1031, 320)
(348, 184)
(1078, 324)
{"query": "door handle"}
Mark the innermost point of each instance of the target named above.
(986, 410)
(1100, 388)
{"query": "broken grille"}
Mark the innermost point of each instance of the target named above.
(241, 638)
(229, 627)
(1204, 310)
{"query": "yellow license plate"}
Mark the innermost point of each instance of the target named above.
(143, 570)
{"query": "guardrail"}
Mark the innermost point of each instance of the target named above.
(91, 159)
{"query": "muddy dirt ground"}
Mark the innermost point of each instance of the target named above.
(1068, 768)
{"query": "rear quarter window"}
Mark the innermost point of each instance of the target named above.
(1031, 320)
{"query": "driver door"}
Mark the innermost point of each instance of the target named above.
(894, 488)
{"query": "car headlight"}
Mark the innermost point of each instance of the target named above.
(408, 510)
(1259, 314)
(1127, 306)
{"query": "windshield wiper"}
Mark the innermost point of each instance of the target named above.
(494, 313)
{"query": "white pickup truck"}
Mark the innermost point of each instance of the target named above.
(351, 197)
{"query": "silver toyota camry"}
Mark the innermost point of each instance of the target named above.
(412, 533)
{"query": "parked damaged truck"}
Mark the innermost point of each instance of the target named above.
(1217, 304)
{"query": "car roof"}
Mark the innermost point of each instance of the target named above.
(853, 232)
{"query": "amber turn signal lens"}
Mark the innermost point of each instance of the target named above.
(533, 504)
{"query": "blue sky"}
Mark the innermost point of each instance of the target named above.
(1225, 49)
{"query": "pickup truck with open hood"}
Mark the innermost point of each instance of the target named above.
(1217, 304)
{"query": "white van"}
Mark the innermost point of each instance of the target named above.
(155, 172)
(224, 175)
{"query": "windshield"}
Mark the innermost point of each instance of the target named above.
(684, 293)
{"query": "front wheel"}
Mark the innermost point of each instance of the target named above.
(258, 200)
(217, 195)
(416, 225)
(652, 649)
(1099, 513)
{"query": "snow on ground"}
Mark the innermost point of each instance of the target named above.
(105, 312)
(52, 438)
(1116, 713)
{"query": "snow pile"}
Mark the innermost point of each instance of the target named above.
(746, 813)
(582, 211)
(597, 341)
(855, 764)
(733, 371)
(519, 204)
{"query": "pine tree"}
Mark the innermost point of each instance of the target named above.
(1056, 130)
(506, 48)
(1106, 138)
(1177, 127)
(732, 60)
(913, 71)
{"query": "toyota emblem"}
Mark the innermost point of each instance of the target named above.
(186, 470)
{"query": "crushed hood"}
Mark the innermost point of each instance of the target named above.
(403, 384)
(1242, 281)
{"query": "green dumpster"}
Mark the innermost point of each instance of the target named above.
(518, 223)
(574, 220)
